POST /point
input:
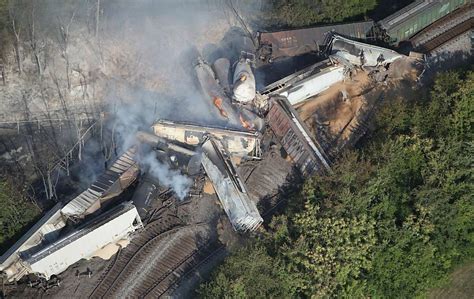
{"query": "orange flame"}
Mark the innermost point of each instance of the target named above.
(245, 123)
(218, 104)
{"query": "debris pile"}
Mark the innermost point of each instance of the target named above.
(249, 124)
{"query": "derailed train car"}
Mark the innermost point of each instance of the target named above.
(121, 174)
(51, 226)
(295, 138)
(295, 42)
(399, 26)
(238, 143)
(232, 192)
(85, 241)
(49, 249)
(353, 53)
(308, 82)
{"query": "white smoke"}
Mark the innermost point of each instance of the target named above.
(140, 65)
(159, 39)
(167, 177)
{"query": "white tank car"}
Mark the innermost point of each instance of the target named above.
(244, 82)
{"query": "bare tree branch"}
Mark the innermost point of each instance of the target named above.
(64, 43)
(35, 47)
(16, 42)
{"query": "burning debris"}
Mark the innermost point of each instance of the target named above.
(179, 152)
(213, 156)
(236, 116)
(213, 91)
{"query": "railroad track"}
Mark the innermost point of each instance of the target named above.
(182, 269)
(206, 256)
(165, 253)
(442, 25)
(113, 271)
(447, 36)
(122, 281)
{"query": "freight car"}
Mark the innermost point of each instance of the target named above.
(295, 138)
(398, 27)
(238, 143)
(411, 19)
(287, 43)
(231, 190)
(444, 29)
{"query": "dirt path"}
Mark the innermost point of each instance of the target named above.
(461, 285)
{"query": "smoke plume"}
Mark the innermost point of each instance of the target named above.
(167, 177)
(162, 40)
(133, 62)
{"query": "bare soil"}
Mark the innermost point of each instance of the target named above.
(339, 108)
(460, 286)
(208, 188)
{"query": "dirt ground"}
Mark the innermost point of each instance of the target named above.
(208, 188)
(337, 106)
(344, 106)
(75, 283)
(460, 286)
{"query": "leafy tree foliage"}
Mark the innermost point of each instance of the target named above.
(249, 273)
(331, 252)
(16, 212)
(391, 220)
(297, 13)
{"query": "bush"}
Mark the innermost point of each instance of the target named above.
(392, 220)
(298, 13)
(16, 213)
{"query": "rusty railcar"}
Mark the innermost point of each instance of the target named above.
(296, 42)
(295, 138)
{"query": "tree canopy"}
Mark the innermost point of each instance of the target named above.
(298, 13)
(16, 213)
(392, 220)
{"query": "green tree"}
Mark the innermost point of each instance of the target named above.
(297, 13)
(249, 273)
(16, 212)
(392, 219)
(332, 253)
(463, 110)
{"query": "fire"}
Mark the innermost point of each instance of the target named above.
(245, 123)
(218, 104)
